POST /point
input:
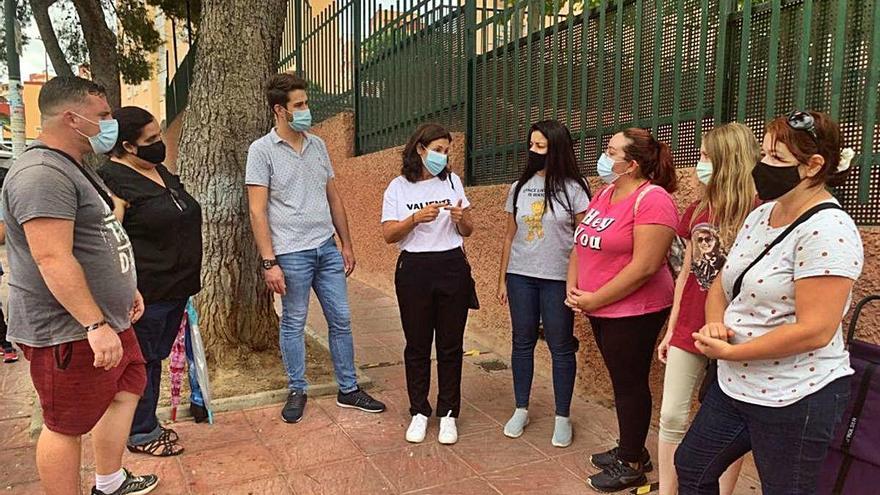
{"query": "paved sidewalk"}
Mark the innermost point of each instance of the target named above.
(335, 451)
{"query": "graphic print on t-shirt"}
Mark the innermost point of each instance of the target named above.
(709, 254)
(534, 222)
(593, 221)
(121, 242)
(423, 204)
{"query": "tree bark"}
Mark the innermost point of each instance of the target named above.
(40, 10)
(238, 46)
(103, 58)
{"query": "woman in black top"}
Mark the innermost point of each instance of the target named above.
(164, 224)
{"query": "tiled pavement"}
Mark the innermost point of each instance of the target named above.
(335, 451)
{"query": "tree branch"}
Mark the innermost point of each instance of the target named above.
(50, 39)
(103, 57)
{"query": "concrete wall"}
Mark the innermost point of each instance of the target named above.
(362, 181)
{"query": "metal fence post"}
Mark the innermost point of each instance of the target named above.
(356, 74)
(722, 63)
(470, 19)
(297, 36)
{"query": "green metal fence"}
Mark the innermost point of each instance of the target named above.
(490, 68)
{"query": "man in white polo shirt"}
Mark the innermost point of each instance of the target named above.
(295, 210)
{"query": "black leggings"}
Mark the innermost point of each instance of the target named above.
(627, 346)
(5, 344)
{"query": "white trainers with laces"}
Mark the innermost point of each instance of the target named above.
(448, 431)
(417, 428)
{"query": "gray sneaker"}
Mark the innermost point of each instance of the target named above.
(133, 485)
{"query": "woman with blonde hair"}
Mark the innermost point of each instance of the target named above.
(709, 225)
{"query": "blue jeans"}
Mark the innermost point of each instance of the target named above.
(789, 443)
(323, 270)
(156, 332)
(532, 301)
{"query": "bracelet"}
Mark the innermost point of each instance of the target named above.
(95, 326)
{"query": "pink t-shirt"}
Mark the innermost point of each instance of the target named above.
(604, 243)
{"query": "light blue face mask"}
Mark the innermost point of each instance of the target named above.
(435, 162)
(105, 139)
(704, 172)
(605, 169)
(300, 120)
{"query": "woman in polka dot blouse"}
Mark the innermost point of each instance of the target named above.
(783, 371)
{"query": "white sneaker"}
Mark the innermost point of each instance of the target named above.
(448, 431)
(417, 428)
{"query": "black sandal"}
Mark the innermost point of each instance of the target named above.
(165, 445)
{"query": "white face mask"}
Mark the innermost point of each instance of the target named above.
(704, 171)
(605, 169)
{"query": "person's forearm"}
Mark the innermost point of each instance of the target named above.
(66, 281)
(394, 231)
(781, 342)
(676, 298)
(466, 225)
(572, 279)
(627, 281)
(340, 222)
(505, 260)
(716, 302)
(262, 235)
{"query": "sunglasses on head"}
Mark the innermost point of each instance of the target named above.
(803, 121)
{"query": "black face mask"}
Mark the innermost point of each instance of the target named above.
(537, 161)
(153, 153)
(772, 182)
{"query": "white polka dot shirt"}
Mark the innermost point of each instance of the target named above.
(828, 244)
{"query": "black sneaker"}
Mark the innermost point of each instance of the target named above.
(359, 400)
(133, 485)
(606, 459)
(294, 407)
(619, 476)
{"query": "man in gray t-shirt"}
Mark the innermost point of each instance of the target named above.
(295, 208)
(73, 291)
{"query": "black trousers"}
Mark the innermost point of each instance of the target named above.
(433, 292)
(627, 346)
(5, 344)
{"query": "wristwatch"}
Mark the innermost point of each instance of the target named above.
(267, 264)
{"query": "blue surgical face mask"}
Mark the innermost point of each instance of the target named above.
(605, 169)
(435, 162)
(300, 120)
(105, 139)
(704, 171)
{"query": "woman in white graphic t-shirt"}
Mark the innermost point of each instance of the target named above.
(774, 321)
(426, 212)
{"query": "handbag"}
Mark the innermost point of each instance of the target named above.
(712, 366)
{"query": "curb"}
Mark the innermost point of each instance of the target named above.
(236, 403)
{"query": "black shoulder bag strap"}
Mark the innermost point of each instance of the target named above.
(100, 190)
(737, 284)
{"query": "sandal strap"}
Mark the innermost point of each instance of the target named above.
(163, 446)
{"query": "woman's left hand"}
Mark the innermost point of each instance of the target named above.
(580, 301)
(713, 348)
(456, 213)
(137, 308)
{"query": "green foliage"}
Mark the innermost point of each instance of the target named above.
(23, 14)
(136, 40)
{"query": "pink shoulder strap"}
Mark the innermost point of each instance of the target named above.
(642, 193)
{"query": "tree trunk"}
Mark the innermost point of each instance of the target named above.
(101, 41)
(238, 46)
(40, 10)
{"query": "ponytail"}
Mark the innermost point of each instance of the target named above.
(664, 174)
(654, 158)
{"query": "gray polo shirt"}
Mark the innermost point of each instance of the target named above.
(299, 211)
